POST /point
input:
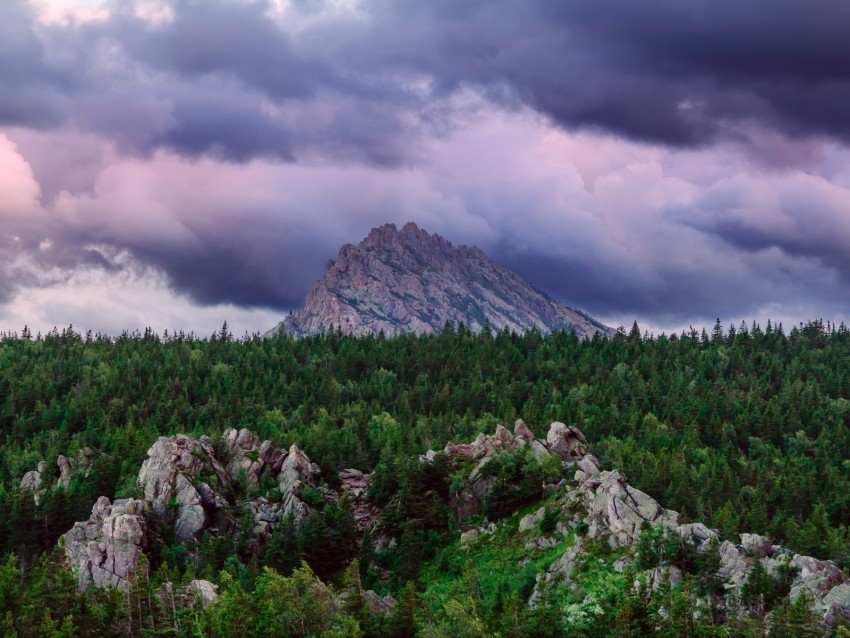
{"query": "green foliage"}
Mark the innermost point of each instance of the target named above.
(519, 480)
(746, 430)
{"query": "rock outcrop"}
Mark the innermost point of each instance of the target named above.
(403, 281)
(107, 548)
(184, 481)
(173, 476)
(187, 484)
(608, 509)
(38, 480)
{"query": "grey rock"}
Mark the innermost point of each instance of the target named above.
(617, 510)
(756, 545)
(655, 577)
(697, 535)
(538, 449)
(469, 536)
(546, 542)
(835, 605)
(522, 431)
(191, 517)
(482, 446)
(531, 521)
(248, 456)
(107, 548)
(503, 439)
(817, 577)
(403, 281)
(31, 481)
(559, 572)
(169, 474)
(567, 442)
(296, 472)
(379, 604)
(734, 568)
(203, 592)
(64, 464)
(464, 449)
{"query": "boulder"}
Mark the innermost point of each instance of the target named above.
(835, 606)
(503, 439)
(756, 545)
(522, 431)
(538, 449)
(697, 535)
(296, 472)
(244, 451)
(567, 442)
(191, 516)
(817, 577)
(464, 449)
(64, 464)
(734, 568)
(203, 592)
(531, 521)
(617, 510)
(482, 446)
(31, 481)
(106, 549)
(655, 577)
(169, 474)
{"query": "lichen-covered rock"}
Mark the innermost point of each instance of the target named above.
(107, 548)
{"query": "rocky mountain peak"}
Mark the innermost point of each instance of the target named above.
(411, 281)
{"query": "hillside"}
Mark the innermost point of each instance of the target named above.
(408, 281)
(181, 450)
(548, 534)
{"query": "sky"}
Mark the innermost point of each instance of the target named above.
(177, 163)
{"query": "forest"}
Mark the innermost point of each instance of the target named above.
(743, 428)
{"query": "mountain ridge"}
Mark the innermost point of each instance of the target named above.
(410, 281)
(647, 544)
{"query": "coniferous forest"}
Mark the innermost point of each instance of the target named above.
(745, 428)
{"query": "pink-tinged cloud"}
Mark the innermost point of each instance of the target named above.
(211, 156)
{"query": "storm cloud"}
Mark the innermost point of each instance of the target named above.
(670, 162)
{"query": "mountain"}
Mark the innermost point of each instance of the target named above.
(403, 281)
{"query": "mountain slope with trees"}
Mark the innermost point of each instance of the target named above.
(743, 429)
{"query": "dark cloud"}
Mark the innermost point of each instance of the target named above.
(373, 91)
(680, 75)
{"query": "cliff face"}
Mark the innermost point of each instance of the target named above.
(408, 281)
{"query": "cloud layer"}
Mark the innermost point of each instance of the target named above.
(672, 164)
